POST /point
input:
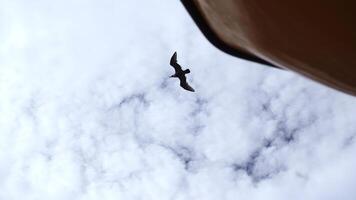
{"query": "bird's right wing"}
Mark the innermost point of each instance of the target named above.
(174, 63)
(185, 85)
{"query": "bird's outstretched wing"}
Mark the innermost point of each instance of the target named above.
(184, 84)
(174, 63)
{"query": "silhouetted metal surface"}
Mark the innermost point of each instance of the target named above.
(316, 38)
(214, 39)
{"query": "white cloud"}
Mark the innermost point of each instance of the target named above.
(87, 112)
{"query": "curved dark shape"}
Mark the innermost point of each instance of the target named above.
(179, 73)
(314, 38)
(215, 40)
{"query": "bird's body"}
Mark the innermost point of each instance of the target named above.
(179, 73)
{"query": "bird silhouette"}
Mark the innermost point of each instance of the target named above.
(179, 73)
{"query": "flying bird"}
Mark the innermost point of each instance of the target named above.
(179, 73)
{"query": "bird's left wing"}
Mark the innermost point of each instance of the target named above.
(173, 59)
(174, 63)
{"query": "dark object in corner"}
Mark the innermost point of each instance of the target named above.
(215, 40)
(314, 38)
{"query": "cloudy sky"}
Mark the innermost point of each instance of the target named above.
(87, 112)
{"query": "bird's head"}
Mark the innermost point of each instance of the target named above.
(186, 71)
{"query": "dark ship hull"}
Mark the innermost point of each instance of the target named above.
(316, 38)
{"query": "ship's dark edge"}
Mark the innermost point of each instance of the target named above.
(214, 39)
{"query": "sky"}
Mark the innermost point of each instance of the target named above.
(87, 111)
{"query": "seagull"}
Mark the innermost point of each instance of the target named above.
(179, 73)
